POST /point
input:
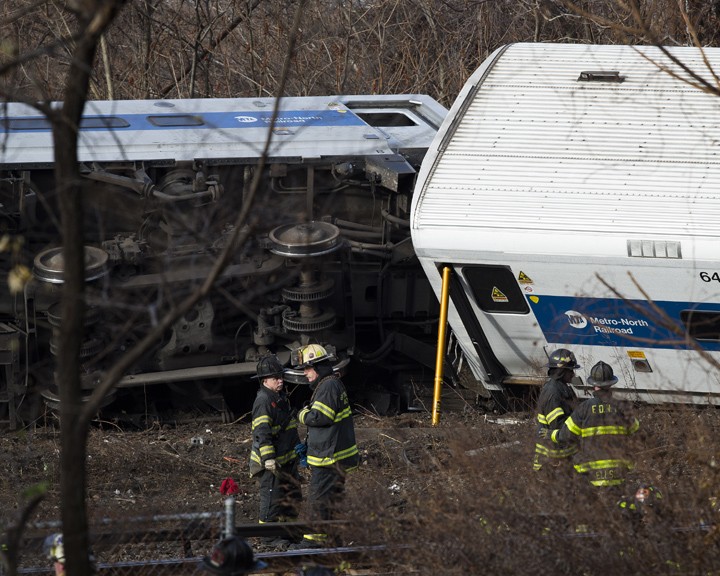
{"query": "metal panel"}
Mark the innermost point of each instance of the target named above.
(538, 150)
(233, 129)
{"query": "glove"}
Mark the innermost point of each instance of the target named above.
(301, 451)
(544, 433)
(270, 465)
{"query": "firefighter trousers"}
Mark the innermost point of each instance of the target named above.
(280, 493)
(327, 487)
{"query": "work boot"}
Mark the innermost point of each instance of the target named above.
(306, 544)
(273, 543)
(280, 544)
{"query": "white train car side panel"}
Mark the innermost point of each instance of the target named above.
(573, 190)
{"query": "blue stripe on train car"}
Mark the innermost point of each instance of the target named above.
(202, 121)
(626, 323)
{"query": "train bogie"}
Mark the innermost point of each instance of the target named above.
(326, 253)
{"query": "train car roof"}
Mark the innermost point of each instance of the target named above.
(551, 146)
(227, 130)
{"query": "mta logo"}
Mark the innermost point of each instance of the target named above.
(576, 319)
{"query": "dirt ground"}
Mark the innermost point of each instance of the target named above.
(456, 494)
(178, 467)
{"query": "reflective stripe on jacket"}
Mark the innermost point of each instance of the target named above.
(554, 406)
(274, 430)
(600, 427)
(331, 431)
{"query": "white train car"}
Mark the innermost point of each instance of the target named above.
(574, 192)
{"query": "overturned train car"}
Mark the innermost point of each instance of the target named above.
(573, 192)
(328, 256)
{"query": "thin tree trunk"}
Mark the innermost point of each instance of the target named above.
(94, 19)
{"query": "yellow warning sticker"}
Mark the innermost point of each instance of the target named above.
(524, 278)
(636, 354)
(498, 296)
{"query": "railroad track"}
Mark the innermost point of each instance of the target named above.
(358, 556)
(195, 532)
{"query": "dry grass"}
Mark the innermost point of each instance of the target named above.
(470, 503)
(460, 498)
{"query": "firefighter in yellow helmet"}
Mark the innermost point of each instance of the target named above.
(331, 448)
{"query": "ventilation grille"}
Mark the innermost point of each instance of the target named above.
(653, 249)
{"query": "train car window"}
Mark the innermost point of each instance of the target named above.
(702, 324)
(176, 120)
(385, 119)
(93, 122)
(87, 123)
(27, 124)
(495, 289)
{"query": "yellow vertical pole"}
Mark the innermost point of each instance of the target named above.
(440, 355)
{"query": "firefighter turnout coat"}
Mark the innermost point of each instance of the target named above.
(274, 430)
(331, 431)
(600, 427)
(555, 405)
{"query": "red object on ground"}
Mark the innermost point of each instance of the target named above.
(228, 487)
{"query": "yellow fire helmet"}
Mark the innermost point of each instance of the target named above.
(308, 355)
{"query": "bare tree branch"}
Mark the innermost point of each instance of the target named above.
(204, 53)
(241, 232)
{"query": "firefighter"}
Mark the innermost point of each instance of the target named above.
(331, 448)
(232, 556)
(273, 460)
(642, 508)
(600, 427)
(55, 551)
(555, 404)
